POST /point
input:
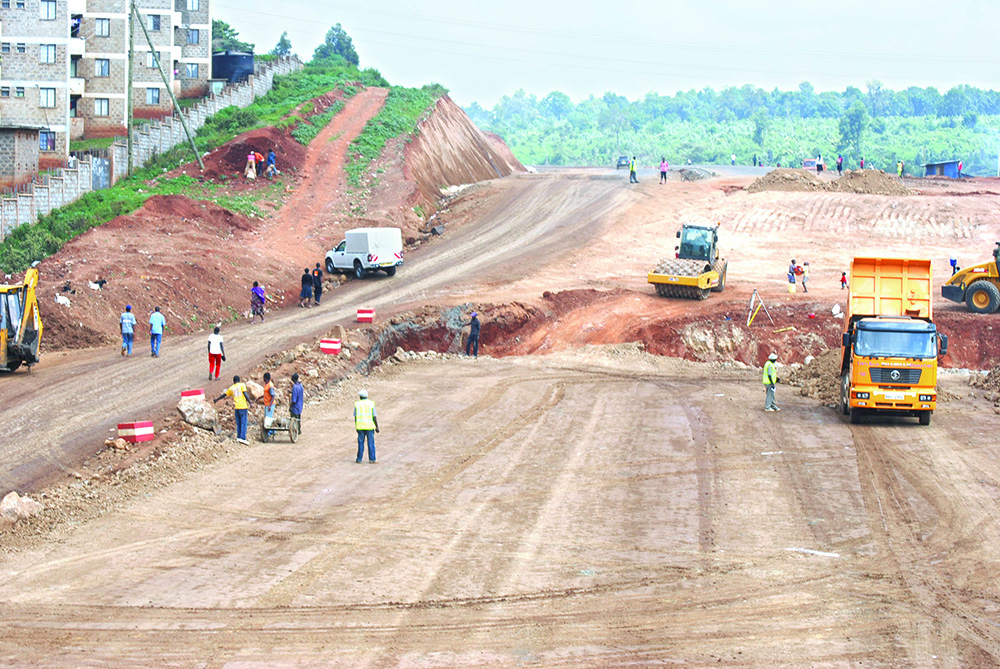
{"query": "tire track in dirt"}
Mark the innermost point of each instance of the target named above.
(900, 542)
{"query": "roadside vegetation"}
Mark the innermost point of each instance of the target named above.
(916, 125)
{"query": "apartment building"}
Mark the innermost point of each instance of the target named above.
(34, 87)
(181, 32)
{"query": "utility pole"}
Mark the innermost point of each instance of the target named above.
(128, 87)
(166, 84)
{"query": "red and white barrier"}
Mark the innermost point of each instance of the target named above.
(366, 315)
(198, 393)
(137, 431)
(330, 346)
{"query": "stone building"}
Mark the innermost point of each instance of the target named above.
(181, 32)
(34, 85)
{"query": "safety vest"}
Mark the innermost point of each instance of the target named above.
(364, 415)
(770, 373)
(631, 166)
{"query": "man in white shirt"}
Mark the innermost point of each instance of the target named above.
(216, 354)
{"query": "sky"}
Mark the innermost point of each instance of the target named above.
(482, 51)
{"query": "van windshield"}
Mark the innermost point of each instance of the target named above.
(896, 344)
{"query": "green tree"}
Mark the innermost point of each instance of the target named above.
(225, 38)
(337, 43)
(761, 123)
(283, 47)
(557, 105)
(853, 124)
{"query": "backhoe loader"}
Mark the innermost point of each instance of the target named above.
(20, 323)
(978, 286)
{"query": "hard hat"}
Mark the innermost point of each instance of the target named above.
(363, 394)
(772, 357)
(474, 314)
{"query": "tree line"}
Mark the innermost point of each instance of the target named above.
(915, 125)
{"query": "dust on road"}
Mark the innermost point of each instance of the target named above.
(598, 507)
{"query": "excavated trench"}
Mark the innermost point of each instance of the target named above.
(711, 331)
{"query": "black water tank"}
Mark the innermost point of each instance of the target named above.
(232, 66)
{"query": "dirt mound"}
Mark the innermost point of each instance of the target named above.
(449, 150)
(869, 182)
(787, 179)
(989, 382)
(187, 257)
(229, 159)
(865, 182)
(819, 378)
(695, 173)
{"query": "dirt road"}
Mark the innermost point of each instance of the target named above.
(595, 508)
(64, 409)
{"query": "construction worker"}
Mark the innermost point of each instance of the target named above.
(241, 406)
(268, 400)
(156, 324)
(127, 321)
(366, 423)
(631, 172)
(472, 343)
(297, 400)
(770, 381)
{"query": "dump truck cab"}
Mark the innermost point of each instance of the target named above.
(20, 323)
(890, 343)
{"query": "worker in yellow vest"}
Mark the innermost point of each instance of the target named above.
(631, 172)
(770, 381)
(366, 423)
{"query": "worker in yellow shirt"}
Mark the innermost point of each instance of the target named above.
(366, 423)
(241, 404)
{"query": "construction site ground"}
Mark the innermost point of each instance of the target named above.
(600, 488)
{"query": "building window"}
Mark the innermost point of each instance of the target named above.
(48, 10)
(101, 107)
(194, 5)
(154, 22)
(5, 4)
(74, 67)
(21, 48)
(152, 59)
(102, 67)
(47, 53)
(5, 47)
(194, 36)
(47, 140)
(5, 92)
(19, 92)
(103, 28)
(47, 97)
(192, 70)
(20, 4)
(152, 96)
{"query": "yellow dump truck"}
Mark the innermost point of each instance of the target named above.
(20, 323)
(698, 268)
(890, 344)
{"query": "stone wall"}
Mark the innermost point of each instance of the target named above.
(68, 185)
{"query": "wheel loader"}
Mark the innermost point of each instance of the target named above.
(20, 323)
(697, 270)
(978, 286)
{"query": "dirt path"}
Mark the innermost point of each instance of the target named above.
(65, 409)
(290, 231)
(594, 508)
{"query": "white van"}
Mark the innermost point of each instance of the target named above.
(367, 250)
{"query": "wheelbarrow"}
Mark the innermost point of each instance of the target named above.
(274, 425)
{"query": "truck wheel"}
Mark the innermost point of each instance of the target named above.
(722, 278)
(925, 417)
(845, 384)
(856, 413)
(359, 271)
(330, 269)
(982, 297)
(390, 271)
(12, 365)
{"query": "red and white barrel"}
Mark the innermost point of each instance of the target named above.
(138, 431)
(366, 315)
(198, 393)
(330, 346)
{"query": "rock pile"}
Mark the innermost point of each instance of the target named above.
(14, 507)
(865, 182)
(819, 378)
